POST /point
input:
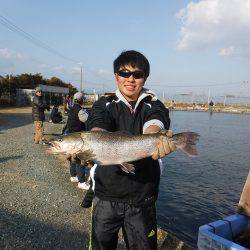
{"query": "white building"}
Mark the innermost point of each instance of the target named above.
(52, 94)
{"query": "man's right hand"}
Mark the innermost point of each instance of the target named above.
(73, 159)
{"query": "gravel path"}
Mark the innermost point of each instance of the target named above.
(39, 206)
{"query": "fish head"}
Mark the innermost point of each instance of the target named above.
(67, 144)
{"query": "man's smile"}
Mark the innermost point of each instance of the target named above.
(130, 87)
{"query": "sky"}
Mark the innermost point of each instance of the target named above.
(194, 47)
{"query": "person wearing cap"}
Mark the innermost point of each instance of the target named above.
(76, 122)
(38, 107)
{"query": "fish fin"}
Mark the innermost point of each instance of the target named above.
(127, 167)
(85, 156)
(190, 150)
(124, 169)
(68, 157)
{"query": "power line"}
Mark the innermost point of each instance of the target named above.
(92, 83)
(196, 86)
(14, 28)
(37, 42)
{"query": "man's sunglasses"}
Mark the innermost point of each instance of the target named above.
(136, 74)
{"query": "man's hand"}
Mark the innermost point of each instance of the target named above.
(164, 146)
(73, 159)
(96, 129)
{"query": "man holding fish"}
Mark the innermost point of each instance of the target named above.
(127, 200)
(128, 134)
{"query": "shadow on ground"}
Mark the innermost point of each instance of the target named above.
(21, 232)
(8, 121)
(5, 159)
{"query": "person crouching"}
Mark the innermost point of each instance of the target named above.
(76, 122)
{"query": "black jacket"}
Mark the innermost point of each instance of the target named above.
(38, 107)
(73, 122)
(56, 115)
(113, 114)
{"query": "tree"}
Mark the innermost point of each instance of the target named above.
(72, 89)
(10, 83)
(54, 81)
(4, 86)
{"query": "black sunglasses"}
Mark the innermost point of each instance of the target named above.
(136, 74)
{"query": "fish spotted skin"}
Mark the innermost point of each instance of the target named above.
(107, 148)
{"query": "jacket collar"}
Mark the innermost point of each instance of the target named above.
(144, 93)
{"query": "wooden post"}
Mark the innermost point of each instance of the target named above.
(244, 203)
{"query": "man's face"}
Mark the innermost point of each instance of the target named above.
(39, 93)
(130, 86)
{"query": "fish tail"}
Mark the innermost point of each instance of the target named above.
(190, 150)
(186, 142)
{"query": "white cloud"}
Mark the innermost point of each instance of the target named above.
(8, 54)
(43, 66)
(90, 71)
(227, 51)
(59, 69)
(220, 24)
(76, 70)
(104, 72)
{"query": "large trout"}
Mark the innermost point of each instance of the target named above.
(107, 148)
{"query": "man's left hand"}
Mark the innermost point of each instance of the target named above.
(164, 146)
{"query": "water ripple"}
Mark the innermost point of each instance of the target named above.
(196, 191)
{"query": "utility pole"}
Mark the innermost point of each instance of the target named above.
(208, 98)
(225, 100)
(9, 90)
(81, 79)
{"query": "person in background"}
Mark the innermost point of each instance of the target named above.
(56, 115)
(77, 117)
(66, 104)
(38, 107)
(194, 105)
(172, 106)
(210, 106)
(211, 103)
(71, 102)
(127, 200)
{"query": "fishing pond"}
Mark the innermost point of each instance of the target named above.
(196, 191)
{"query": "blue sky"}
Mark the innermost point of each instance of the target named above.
(192, 46)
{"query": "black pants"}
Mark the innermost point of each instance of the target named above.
(138, 224)
(77, 170)
(56, 119)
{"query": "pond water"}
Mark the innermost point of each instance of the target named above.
(196, 191)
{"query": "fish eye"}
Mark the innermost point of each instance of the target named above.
(60, 140)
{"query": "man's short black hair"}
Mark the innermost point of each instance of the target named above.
(133, 58)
